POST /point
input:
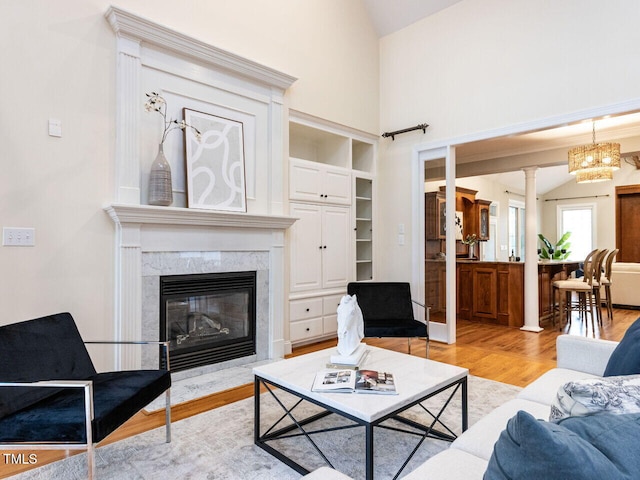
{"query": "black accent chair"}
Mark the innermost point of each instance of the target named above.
(387, 311)
(52, 397)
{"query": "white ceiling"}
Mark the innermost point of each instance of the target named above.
(556, 140)
(389, 16)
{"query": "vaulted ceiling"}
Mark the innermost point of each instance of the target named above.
(390, 16)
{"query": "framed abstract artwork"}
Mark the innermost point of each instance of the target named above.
(214, 162)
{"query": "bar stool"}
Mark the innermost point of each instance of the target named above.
(605, 281)
(583, 288)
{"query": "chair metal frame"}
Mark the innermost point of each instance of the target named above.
(427, 315)
(87, 386)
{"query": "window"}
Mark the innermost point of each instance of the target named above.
(579, 220)
(516, 229)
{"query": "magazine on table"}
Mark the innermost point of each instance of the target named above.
(358, 381)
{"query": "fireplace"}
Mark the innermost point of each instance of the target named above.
(208, 318)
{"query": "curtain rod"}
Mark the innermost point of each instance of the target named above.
(517, 194)
(575, 198)
(513, 193)
(422, 126)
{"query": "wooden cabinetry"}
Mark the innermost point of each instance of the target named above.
(547, 274)
(475, 220)
(491, 292)
(482, 214)
(435, 221)
(435, 286)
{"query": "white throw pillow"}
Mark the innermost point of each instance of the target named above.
(591, 396)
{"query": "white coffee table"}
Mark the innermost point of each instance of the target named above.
(417, 379)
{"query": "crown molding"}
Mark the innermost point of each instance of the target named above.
(131, 26)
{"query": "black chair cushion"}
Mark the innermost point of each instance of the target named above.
(387, 309)
(117, 397)
(46, 348)
(393, 328)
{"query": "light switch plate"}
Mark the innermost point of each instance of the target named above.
(55, 127)
(18, 237)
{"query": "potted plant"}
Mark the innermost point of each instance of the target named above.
(559, 251)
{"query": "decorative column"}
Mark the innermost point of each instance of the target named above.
(276, 288)
(450, 175)
(128, 108)
(531, 311)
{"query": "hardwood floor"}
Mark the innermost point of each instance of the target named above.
(498, 353)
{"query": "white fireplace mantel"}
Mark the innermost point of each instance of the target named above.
(152, 54)
(147, 214)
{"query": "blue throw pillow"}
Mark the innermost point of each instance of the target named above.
(616, 436)
(530, 449)
(625, 359)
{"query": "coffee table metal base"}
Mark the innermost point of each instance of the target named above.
(297, 427)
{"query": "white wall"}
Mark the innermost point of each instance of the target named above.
(58, 61)
(484, 64)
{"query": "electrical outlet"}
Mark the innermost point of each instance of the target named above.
(18, 237)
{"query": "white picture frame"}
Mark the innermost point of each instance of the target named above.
(215, 163)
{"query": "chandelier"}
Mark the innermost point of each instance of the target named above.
(595, 162)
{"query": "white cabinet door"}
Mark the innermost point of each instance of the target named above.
(306, 251)
(305, 181)
(337, 186)
(336, 259)
(319, 183)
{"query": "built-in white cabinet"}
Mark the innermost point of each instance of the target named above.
(313, 317)
(319, 183)
(331, 193)
(320, 246)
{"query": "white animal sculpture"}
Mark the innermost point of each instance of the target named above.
(350, 325)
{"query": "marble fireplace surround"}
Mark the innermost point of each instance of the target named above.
(156, 241)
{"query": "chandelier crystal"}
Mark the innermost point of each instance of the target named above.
(595, 162)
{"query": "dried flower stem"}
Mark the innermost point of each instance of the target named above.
(157, 103)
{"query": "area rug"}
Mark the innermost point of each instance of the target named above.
(218, 445)
(186, 388)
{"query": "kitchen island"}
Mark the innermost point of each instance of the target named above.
(492, 292)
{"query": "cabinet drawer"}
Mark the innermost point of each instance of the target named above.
(305, 308)
(330, 304)
(306, 329)
(330, 324)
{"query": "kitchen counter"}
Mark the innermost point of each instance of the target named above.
(493, 292)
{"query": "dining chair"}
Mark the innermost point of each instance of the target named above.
(585, 289)
(605, 280)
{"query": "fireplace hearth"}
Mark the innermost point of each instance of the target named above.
(208, 318)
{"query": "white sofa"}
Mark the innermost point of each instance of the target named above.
(468, 456)
(625, 284)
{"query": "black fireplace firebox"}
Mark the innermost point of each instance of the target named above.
(208, 318)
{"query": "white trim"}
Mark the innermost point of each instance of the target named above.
(147, 214)
(432, 150)
(130, 25)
